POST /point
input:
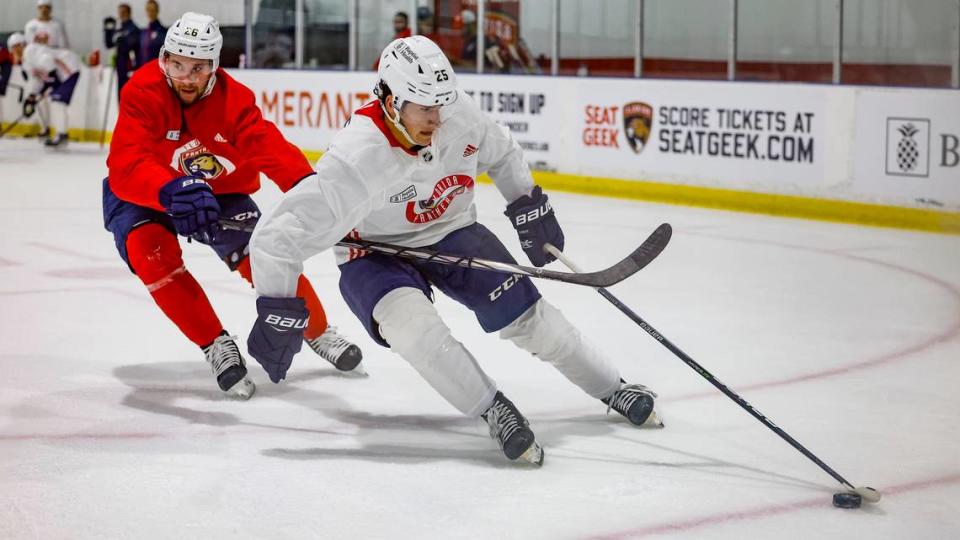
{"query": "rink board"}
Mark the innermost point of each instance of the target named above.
(870, 155)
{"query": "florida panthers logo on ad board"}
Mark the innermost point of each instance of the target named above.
(194, 159)
(443, 194)
(637, 121)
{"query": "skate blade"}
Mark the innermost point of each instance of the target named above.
(534, 455)
(358, 372)
(653, 421)
(243, 390)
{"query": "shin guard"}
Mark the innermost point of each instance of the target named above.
(412, 327)
(155, 256)
(545, 333)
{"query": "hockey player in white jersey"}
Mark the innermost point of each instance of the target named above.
(46, 25)
(403, 171)
(56, 70)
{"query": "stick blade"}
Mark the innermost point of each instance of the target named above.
(652, 246)
(868, 494)
(636, 261)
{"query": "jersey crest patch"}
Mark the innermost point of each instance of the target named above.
(444, 192)
(194, 159)
(203, 165)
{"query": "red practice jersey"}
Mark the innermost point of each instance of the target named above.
(221, 138)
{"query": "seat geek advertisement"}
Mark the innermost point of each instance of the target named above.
(699, 132)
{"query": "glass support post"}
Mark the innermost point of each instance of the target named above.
(638, 46)
(838, 44)
(481, 32)
(298, 33)
(555, 38)
(732, 50)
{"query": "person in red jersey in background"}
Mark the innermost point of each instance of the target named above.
(188, 149)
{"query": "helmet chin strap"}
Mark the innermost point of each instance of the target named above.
(397, 126)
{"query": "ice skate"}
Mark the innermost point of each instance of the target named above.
(59, 141)
(333, 348)
(512, 432)
(228, 366)
(635, 402)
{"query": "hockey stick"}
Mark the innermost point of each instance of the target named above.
(106, 107)
(11, 125)
(642, 256)
(867, 493)
(22, 116)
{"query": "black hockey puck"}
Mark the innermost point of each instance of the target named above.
(847, 500)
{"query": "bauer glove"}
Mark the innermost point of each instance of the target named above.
(277, 334)
(533, 218)
(191, 205)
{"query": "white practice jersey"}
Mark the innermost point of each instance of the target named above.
(57, 36)
(39, 60)
(370, 187)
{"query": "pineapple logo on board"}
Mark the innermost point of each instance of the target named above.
(908, 147)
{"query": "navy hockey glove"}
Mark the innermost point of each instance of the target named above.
(533, 218)
(277, 335)
(30, 105)
(193, 207)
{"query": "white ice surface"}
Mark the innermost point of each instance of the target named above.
(111, 425)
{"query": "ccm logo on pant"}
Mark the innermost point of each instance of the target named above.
(533, 215)
(284, 323)
(504, 287)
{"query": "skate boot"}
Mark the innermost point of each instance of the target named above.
(54, 142)
(227, 364)
(333, 348)
(43, 135)
(512, 432)
(635, 402)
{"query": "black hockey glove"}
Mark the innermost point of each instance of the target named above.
(533, 218)
(191, 204)
(30, 105)
(109, 29)
(277, 334)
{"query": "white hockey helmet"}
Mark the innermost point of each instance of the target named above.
(416, 70)
(15, 39)
(195, 36)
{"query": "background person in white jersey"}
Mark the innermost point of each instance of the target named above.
(56, 70)
(403, 171)
(46, 24)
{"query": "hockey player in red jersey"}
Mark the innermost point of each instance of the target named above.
(188, 148)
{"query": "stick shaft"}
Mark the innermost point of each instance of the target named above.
(705, 374)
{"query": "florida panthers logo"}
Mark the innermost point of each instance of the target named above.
(443, 194)
(637, 124)
(194, 159)
(203, 166)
